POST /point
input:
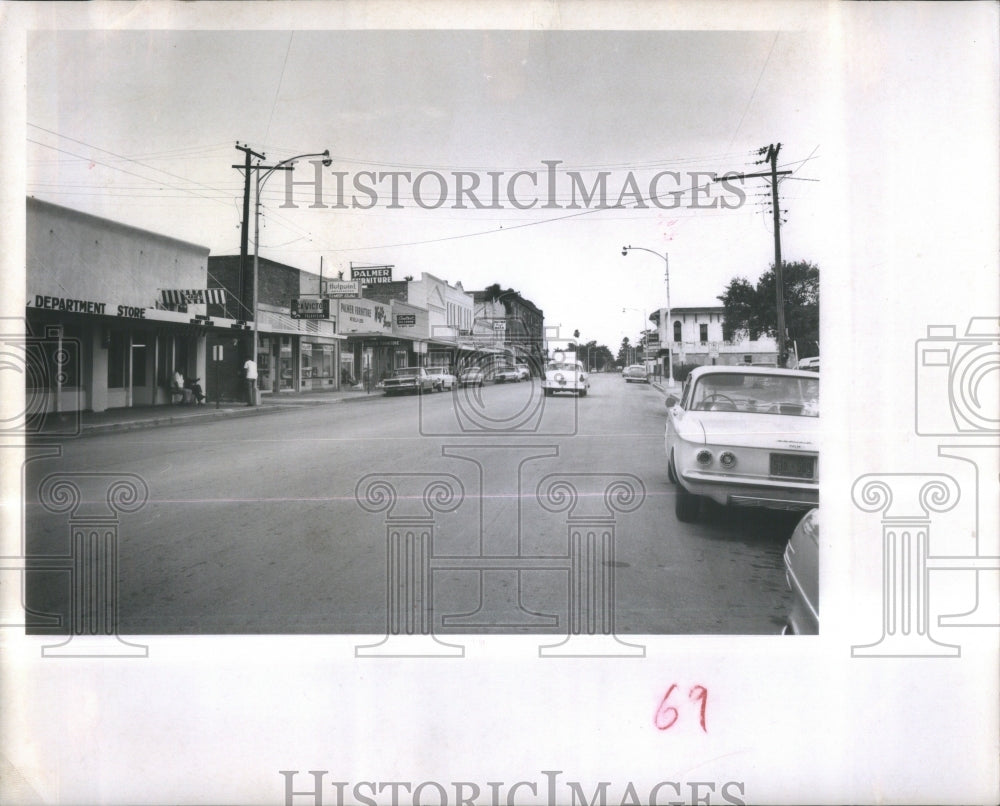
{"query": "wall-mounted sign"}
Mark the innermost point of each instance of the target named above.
(341, 289)
(364, 316)
(406, 320)
(372, 275)
(310, 309)
(193, 296)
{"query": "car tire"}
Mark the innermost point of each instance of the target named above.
(671, 475)
(583, 393)
(686, 505)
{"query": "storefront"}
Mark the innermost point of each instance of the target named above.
(117, 311)
(367, 325)
(296, 354)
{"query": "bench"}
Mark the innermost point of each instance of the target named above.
(179, 394)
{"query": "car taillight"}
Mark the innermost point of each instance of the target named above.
(704, 457)
(727, 459)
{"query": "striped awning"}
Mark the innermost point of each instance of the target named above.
(194, 296)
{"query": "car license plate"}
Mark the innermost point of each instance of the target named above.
(788, 465)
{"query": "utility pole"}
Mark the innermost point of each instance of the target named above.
(245, 231)
(779, 280)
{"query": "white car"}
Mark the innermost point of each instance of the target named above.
(565, 376)
(442, 377)
(744, 436)
(802, 574)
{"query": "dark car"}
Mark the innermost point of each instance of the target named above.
(408, 379)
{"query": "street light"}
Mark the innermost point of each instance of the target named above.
(667, 329)
(261, 180)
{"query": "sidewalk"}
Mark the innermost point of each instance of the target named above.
(140, 417)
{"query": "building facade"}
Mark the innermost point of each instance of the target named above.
(298, 347)
(516, 325)
(696, 335)
(118, 310)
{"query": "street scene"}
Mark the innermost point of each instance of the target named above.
(598, 425)
(559, 403)
(284, 545)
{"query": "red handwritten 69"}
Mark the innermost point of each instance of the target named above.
(667, 715)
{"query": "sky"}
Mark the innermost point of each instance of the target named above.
(141, 127)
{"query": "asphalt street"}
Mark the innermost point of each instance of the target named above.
(280, 524)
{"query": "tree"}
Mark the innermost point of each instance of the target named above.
(625, 352)
(752, 311)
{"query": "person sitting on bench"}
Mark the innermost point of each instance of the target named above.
(189, 391)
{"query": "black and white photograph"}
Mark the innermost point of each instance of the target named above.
(420, 403)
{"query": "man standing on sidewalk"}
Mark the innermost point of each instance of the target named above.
(250, 371)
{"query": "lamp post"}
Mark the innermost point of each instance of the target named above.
(666, 278)
(284, 165)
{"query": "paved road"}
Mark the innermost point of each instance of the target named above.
(253, 525)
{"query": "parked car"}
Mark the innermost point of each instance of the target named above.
(408, 379)
(636, 372)
(802, 573)
(744, 436)
(506, 375)
(523, 372)
(471, 376)
(565, 376)
(442, 378)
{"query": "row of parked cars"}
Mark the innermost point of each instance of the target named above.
(438, 379)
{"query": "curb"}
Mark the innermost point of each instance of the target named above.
(213, 414)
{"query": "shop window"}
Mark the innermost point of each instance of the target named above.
(677, 331)
(117, 358)
(703, 333)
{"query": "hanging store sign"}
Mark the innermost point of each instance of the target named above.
(310, 309)
(406, 320)
(372, 275)
(340, 289)
(193, 296)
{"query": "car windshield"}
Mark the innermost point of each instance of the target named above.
(407, 372)
(756, 394)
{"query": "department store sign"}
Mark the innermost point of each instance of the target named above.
(88, 306)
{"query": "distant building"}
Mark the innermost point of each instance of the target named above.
(507, 323)
(446, 334)
(696, 335)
